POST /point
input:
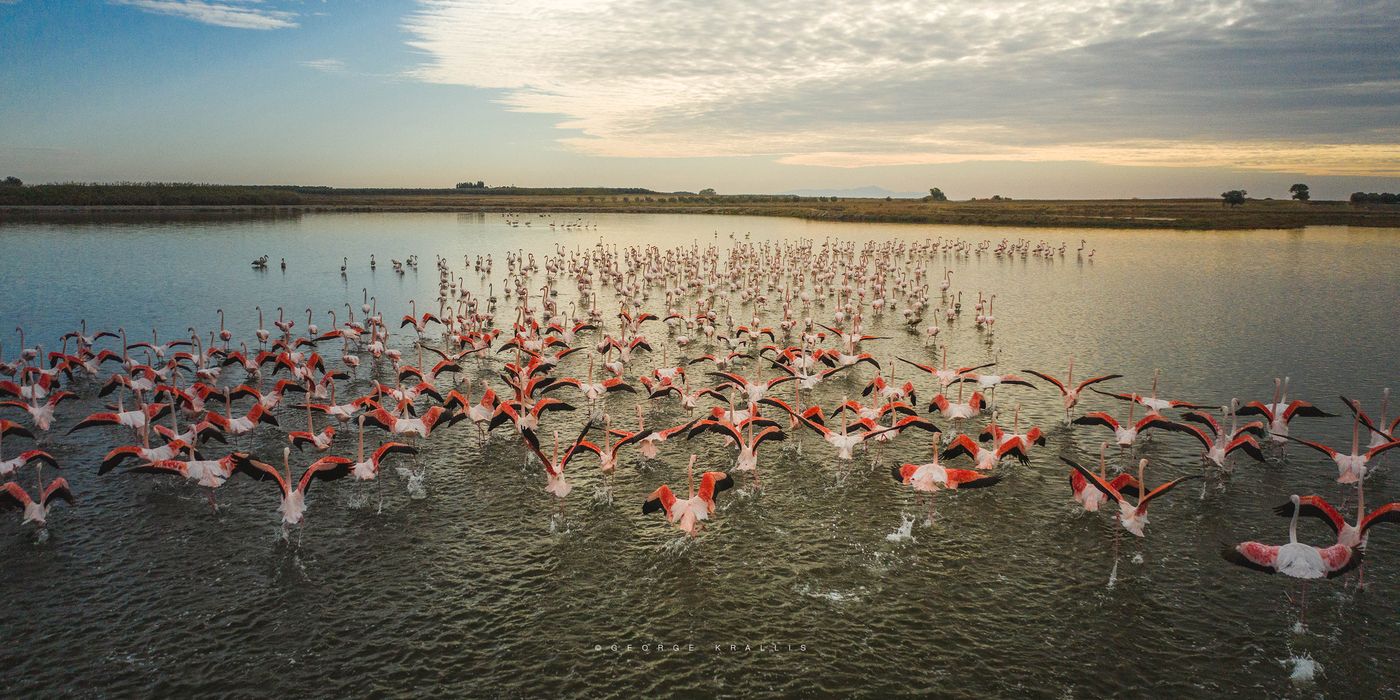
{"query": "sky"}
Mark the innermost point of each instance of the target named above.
(1023, 98)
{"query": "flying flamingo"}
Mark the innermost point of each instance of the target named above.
(554, 466)
(1132, 516)
(12, 495)
(959, 410)
(365, 469)
(1068, 389)
(1350, 467)
(1154, 405)
(1090, 497)
(1295, 559)
(209, 473)
(1127, 433)
(293, 502)
(1282, 411)
(928, 477)
(688, 514)
(984, 458)
(1218, 442)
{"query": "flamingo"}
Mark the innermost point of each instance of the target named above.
(42, 414)
(1132, 516)
(1090, 497)
(1282, 411)
(366, 469)
(1153, 404)
(1068, 389)
(1219, 443)
(24, 459)
(985, 458)
(12, 495)
(1352, 467)
(844, 441)
(688, 514)
(1294, 559)
(209, 473)
(554, 466)
(960, 409)
(293, 502)
(928, 477)
(1127, 433)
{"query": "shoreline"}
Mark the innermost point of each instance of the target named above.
(1120, 214)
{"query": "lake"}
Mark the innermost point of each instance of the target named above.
(832, 579)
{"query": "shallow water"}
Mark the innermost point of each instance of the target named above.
(817, 585)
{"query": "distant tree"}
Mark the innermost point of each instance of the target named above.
(936, 195)
(889, 199)
(1300, 192)
(707, 192)
(1375, 198)
(1233, 198)
(478, 185)
(12, 181)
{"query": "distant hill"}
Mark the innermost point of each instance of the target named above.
(867, 191)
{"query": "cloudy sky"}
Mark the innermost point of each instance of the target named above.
(1093, 98)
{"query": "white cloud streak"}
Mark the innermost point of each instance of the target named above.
(325, 65)
(1232, 83)
(236, 14)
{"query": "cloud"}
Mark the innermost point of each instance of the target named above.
(238, 14)
(325, 65)
(1260, 84)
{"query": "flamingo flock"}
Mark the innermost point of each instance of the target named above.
(738, 339)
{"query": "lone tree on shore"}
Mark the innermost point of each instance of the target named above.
(936, 195)
(1233, 198)
(1300, 192)
(707, 192)
(11, 181)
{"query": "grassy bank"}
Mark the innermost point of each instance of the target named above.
(45, 201)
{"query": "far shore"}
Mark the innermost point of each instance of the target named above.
(1191, 214)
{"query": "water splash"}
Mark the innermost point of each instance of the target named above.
(416, 490)
(905, 531)
(603, 496)
(1304, 668)
(1113, 575)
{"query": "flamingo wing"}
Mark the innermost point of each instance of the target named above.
(961, 445)
(1096, 380)
(926, 368)
(259, 470)
(58, 488)
(12, 495)
(969, 479)
(1339, 559)
(1163, 489)
(712, 483)
(1048, 378)
(1097, 418)
(1314, 507)
(1306, 410)
(661, 499)
(1252, 555)
(1315, 445)
(770, 433)
(1378, 449)
(1388, 513)
(1094, 480)
(324, 469)
(1127, 484)
(390, 448)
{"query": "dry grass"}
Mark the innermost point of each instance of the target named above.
(1135, 213)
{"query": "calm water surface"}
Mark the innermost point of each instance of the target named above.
(486, 587)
